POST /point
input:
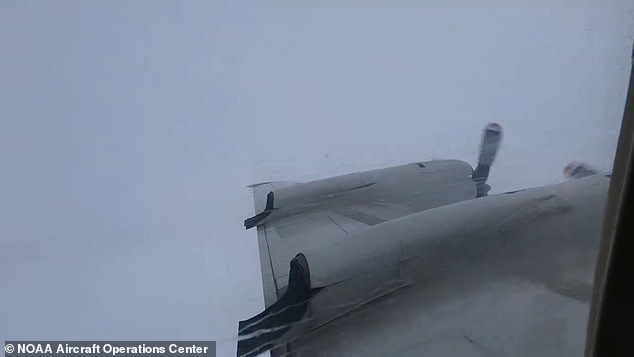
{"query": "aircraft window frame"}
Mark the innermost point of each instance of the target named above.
(612, 310)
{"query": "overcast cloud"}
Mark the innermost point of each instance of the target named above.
(130, 130)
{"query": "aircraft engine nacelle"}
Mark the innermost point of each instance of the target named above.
(303, 197)
(421, 185)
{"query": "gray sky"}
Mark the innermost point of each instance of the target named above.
(130, 130)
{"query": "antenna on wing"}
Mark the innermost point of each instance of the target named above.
(491, 138)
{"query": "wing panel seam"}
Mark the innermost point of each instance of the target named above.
(268, 248)
(337, 224)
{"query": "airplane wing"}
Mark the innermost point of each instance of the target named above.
(507, 274)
